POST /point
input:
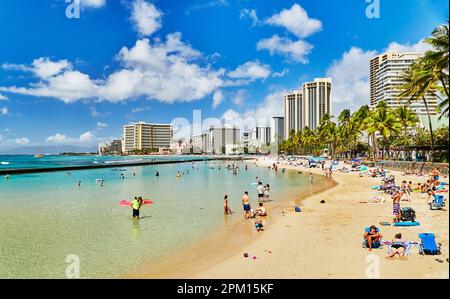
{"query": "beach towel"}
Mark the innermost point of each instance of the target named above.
(407, 223)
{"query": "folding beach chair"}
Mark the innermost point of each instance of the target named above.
(437, 203)
(375, 245)
(428, 245)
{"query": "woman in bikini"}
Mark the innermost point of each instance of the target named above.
(397, 247)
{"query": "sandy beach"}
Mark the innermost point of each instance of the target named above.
(323, 241)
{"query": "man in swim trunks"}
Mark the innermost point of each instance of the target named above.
(246, 206)
(260, 191)
(396, 197)
(136, 205)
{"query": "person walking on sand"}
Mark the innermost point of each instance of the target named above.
(226, 207)
(310, 177)
(246, 205)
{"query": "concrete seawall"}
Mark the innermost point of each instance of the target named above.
(115, 165)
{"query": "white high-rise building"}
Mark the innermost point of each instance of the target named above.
(277, 130)
(221, 138)
(386, 78)
(200, 143)
(141, 136)
(260, 136)
(306, 107)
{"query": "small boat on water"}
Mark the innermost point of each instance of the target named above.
(39, 156)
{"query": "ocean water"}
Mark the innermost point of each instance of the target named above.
(45, 217)
(29, 161)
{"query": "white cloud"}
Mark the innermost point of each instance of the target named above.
(252, 70)
(146, 17)
(251, 14)
(3, 98)
(42, 67)
(295, 51)
(164, 71)
(283, 73)
(22, 141)
(240, 97)
(101, 125)
(259, 116)
(217, 99)
(206, 5)
(57, 138)
(420, 46)
(92, 3)
(4, 111)
(350, 79)
(86, 137)
(296, 21)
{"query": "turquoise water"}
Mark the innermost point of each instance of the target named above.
(45, 217)
(28, 161)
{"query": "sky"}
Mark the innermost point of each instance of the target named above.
(68, 78)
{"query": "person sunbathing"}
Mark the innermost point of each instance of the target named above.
(397, 247)
(372, 236)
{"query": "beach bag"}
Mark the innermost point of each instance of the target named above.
(408, 214)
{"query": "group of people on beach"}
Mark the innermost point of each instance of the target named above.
(397, 245)
(399, 193)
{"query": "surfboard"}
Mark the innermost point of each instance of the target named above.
(126, 203)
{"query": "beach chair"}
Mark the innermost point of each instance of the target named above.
(437, 203)
(428, 245)
(375, 245)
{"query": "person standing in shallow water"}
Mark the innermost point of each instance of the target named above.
(246, 206)
(136, 206)
(226, 207)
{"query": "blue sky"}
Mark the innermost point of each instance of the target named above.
(78, 80)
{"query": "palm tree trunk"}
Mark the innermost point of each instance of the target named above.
(430, 126)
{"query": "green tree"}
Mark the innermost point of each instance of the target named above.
(383, 121)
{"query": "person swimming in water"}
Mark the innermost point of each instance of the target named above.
(157, 173)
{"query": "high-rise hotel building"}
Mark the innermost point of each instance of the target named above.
(141, 135)
(386, 78)
(305, 107)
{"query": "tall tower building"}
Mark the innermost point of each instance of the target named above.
(386, 78)
(305, 107)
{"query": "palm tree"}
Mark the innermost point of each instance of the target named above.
(327, 132)
(438, 59)
(407, 117)
(383, 122)
(418, 83)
